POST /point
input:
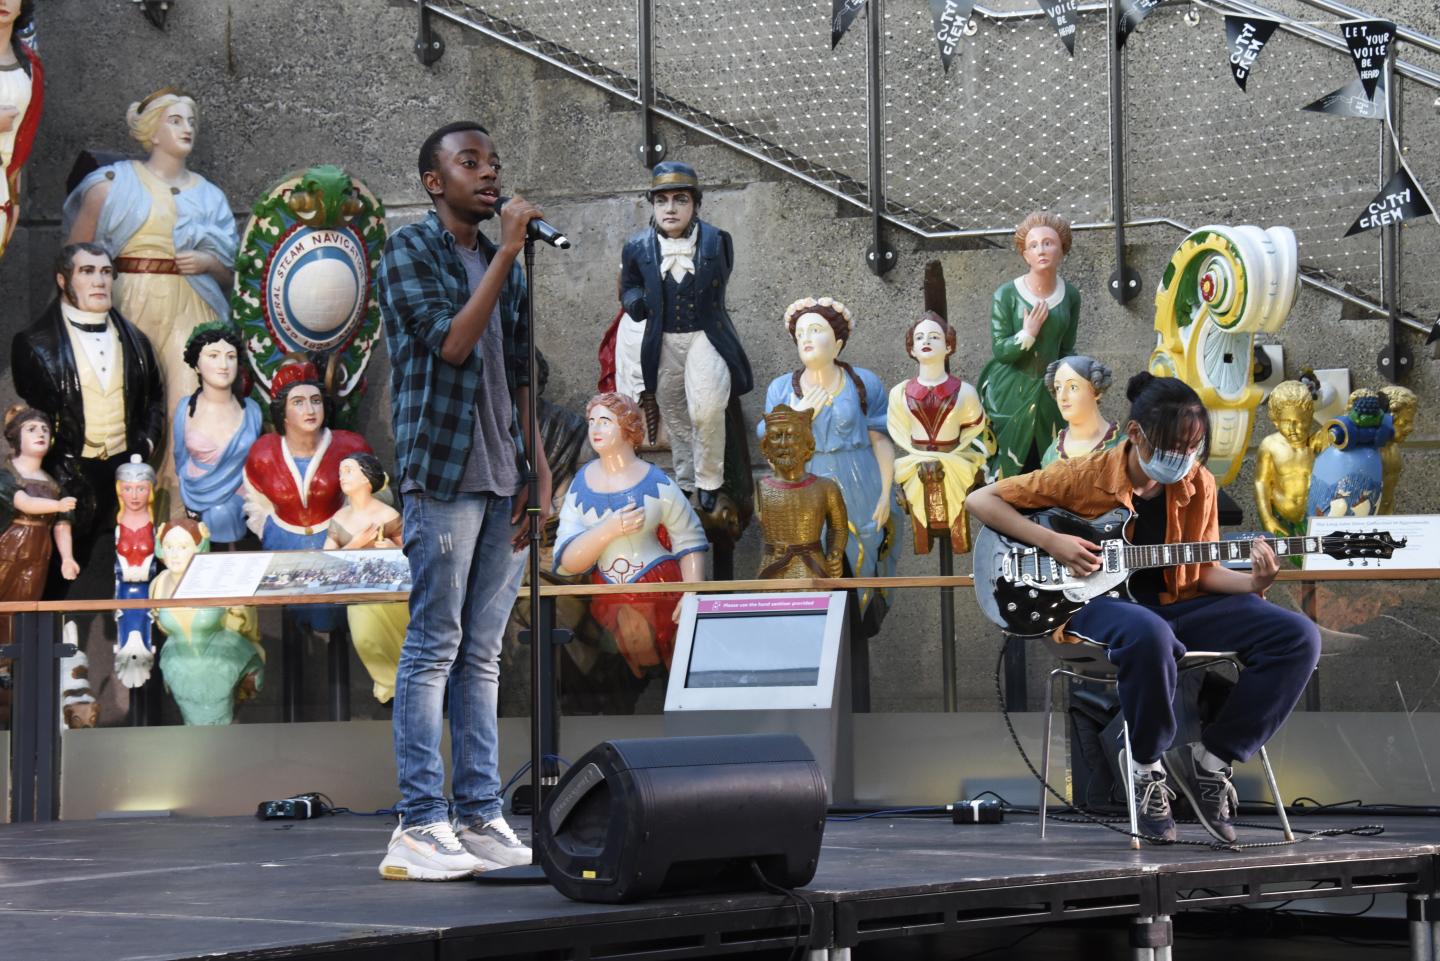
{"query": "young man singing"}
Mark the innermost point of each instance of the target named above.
(454, 306)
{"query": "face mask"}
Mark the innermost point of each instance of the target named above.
(1167, 466)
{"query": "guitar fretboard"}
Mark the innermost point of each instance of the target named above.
(1139, 556)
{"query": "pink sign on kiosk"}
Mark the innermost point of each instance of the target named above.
(774, 604)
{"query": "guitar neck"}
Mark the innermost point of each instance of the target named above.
(1140, 556)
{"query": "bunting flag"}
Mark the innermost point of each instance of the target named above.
(1064, 18)
(1399, 200)
(1131, 13)
(1246, 36)
(950, 17)
(1351, 101)
(843, 13)
(1369, 43)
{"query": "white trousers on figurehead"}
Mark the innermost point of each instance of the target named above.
(692, 393)
(629, 377)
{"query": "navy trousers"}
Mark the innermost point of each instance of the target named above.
(1278, 648)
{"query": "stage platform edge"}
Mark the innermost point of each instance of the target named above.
(172, 889)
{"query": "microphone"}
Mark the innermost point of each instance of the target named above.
(538, 229)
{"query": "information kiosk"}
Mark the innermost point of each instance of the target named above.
(766, 663)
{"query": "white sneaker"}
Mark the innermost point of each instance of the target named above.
(430, 852)
(493, 841)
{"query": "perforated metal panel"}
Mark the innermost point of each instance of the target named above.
(1419, 278)
(1213, 153)
(763, 70)
(1017, 124)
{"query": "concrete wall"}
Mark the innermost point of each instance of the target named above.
(285, 85)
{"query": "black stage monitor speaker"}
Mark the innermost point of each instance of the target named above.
(640, 818)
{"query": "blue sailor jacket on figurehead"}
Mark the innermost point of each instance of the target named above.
(643, 297)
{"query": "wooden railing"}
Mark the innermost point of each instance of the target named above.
(673, 587)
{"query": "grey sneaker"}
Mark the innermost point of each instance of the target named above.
(1152, 804)
(1210, 793)
(429, 852)
(494, 842)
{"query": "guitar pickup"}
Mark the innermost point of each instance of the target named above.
(1110, 556)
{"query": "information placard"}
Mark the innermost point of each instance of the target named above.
(274, 573)
(1421, 533)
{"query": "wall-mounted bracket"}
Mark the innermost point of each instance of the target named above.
(879, 256)
(428, 45)
(1395, 361)
(653, 148)
(1125, 281)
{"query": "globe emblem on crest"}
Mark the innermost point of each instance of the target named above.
(315, 286)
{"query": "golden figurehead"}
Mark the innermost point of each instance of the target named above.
(803, 523)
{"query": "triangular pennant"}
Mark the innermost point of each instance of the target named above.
(1400, 199)
(1131, 13)
(1369, 43)
(843, 13)
(1063, 16)
(1350, 101)
(950, 18)
(1246, 36)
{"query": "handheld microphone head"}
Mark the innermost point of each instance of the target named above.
(538, 229)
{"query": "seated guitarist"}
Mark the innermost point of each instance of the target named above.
(1159, 473)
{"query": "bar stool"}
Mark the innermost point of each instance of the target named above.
(1086, 661)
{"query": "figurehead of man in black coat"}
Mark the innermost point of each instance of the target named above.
(48, 376)
(643, 290)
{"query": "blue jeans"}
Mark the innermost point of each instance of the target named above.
(1279, 649)
(464, 579)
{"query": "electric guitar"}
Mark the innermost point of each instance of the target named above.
(1028, 593)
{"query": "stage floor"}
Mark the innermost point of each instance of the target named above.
(173, 888)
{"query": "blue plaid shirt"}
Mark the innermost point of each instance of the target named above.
(432, 402)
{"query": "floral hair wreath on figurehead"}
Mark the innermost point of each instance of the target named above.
(808, 304)
(841, 322)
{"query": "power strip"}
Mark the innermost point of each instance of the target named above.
(301, 807)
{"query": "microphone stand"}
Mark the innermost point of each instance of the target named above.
(541, 702)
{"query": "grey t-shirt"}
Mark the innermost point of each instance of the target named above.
(493, 465)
